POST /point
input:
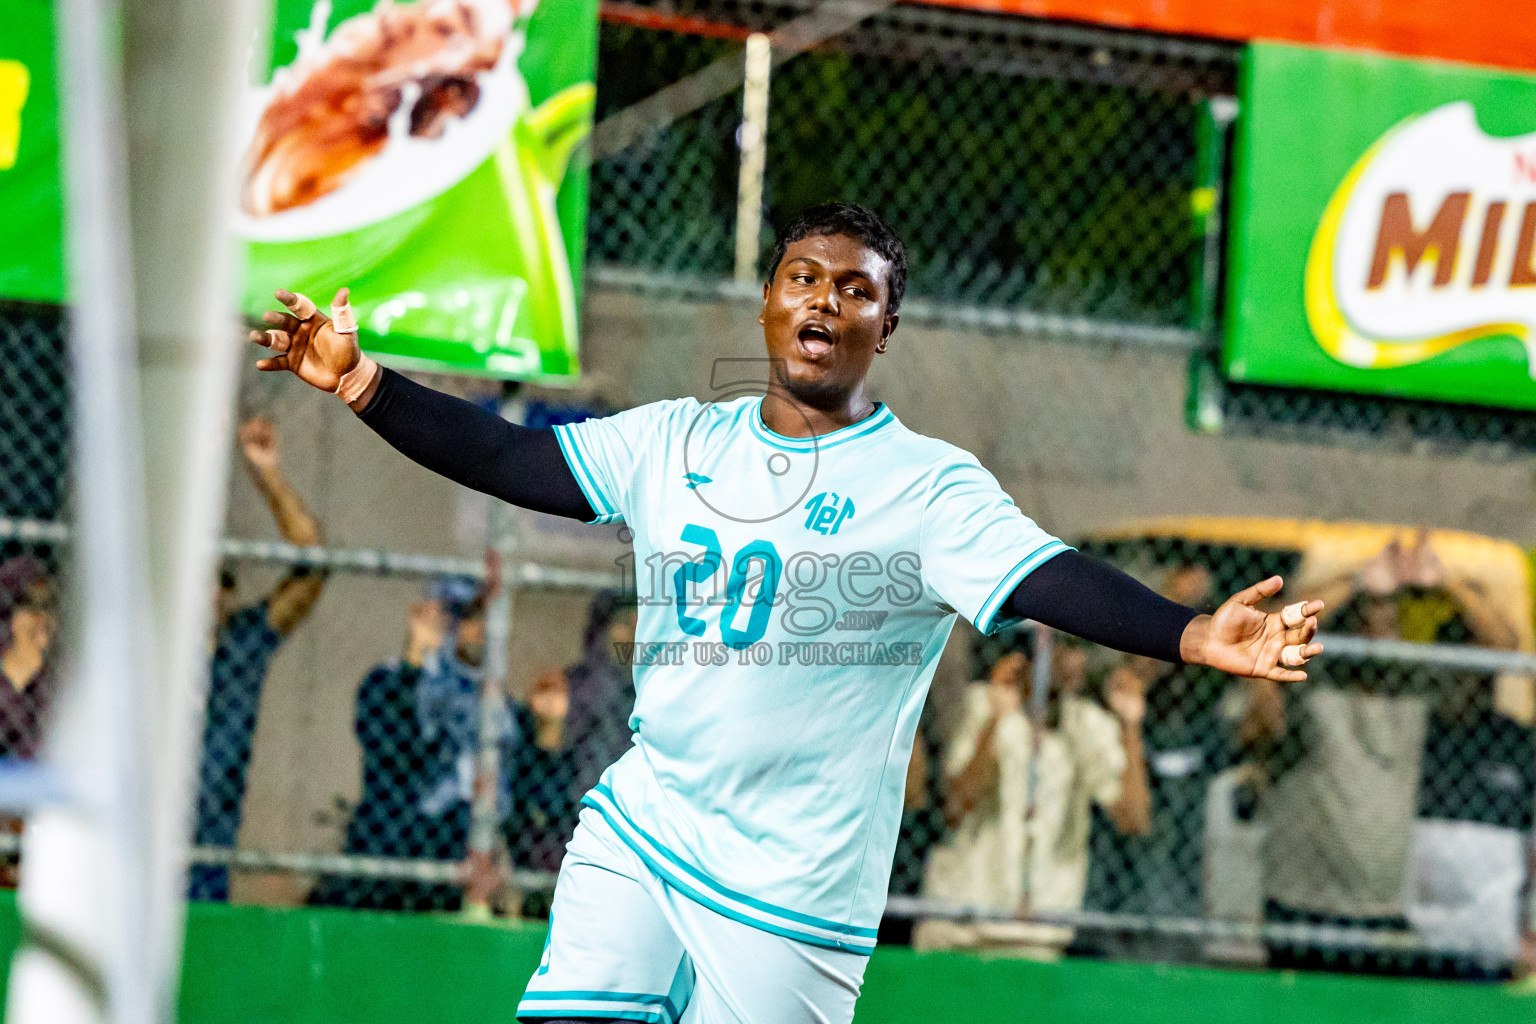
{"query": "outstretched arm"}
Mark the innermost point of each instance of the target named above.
(447, 435)
(1098, 602)
(298, 591)
(258, 442)
(476, 448)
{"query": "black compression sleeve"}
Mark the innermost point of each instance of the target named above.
(1096, 601)
(476, 448)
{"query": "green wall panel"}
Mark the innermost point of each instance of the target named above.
(253, 965)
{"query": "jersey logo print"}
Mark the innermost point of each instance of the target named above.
(827, 513)
(694, 479)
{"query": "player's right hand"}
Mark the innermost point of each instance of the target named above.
(306, 343)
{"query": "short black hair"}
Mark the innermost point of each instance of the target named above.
(859, 223)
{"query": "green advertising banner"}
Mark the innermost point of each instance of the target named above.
(420, 152)
(1383, 233)
(31, 202)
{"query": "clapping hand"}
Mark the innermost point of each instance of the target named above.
(1397, 566)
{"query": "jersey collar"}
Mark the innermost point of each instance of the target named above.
(852, 432)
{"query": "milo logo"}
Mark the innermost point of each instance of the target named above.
(1428, 243)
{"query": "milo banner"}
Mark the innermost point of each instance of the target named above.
(1383, 234)
(31, 194)
(421, 152)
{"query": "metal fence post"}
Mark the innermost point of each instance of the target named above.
(502, 575)
(1039, 697)
(754, 157)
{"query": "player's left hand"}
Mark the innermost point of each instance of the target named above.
(1242, 640)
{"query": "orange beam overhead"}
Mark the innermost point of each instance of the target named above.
(1497, 32)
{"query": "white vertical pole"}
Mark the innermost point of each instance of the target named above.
(754, 157)
(186, 64)
(149, 157)
(82, 897)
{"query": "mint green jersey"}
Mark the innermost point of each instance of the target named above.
(795, 595)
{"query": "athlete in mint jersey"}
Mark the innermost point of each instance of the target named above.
(769, 761)
(732, 864)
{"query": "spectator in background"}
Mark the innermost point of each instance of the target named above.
(1187, 745)
(28, 624)
(601, 690)
(417, 723)
(545, 799)
(448, 715)
(1344, 753)
(1472, 853)
(1016, 851)
(244, 641)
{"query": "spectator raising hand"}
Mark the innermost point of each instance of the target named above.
(258, 441)
(426, 628)
(244, 643)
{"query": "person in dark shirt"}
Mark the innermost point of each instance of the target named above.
(542, 774)
(1472, 848)
(396, 760)
(244, 643)
(601, 690)
(28, 623)
(1160, 873)
(417, 723)
(1345, 755)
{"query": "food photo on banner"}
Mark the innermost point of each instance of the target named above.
(421, 153)
(1383, 235)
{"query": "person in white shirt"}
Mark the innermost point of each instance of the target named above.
(1019, 799)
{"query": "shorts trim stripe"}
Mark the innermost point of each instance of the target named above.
(734, 905)
(607, 1005)
(1016, 575)
(570, 445)
(603, 790)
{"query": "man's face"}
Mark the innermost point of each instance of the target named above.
(33, 627)
(1011, 670)
(223, 604)
(621, 628)
(1069, 668)
(469, 645)
(824, 317)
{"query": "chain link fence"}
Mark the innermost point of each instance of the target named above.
(1048, 178)
(1376, 818)
(1039, 173)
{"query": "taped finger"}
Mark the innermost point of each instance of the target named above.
(1293, 656)
(278, 341)
(300, 306)
(343, 320)
(1292, 615)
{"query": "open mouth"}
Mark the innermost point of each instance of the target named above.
(815, 340)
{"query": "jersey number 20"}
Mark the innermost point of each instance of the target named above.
(735, 586)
